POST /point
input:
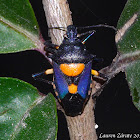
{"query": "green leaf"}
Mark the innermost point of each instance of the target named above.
(133, 77)
(18, 26)
(129, 46)
(130, 41)
(24, 114)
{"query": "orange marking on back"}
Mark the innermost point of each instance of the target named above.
(72, 88)
(72, 69)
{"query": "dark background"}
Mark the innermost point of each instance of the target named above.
(114, 110)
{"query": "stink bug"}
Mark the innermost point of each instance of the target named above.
(72, 68)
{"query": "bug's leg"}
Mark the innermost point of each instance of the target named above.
(104, 77)
(50, 47)
(49, 44)
(49, 71)
(36, 76)
(98, 92)
(96, 73)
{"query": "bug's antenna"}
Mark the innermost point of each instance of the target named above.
(88, 37)
(60, 28)
(88, 32)
(100, 25)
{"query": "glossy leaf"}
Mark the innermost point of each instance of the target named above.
(131, 39)
(24, 114)
(133, 77)
(18, 26)
(129, 46)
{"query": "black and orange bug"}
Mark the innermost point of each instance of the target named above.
(72, 69)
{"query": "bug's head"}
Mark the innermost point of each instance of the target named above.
(71, 33)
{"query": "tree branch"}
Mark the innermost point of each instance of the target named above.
(58, 15)
(81, 127)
